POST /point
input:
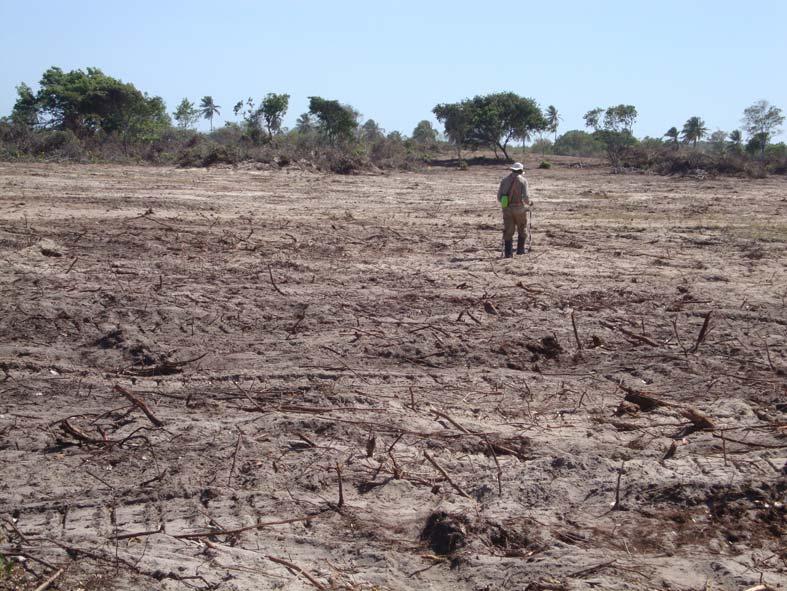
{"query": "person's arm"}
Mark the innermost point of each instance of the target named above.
(526, 192)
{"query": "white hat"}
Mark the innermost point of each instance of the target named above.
(517, 166)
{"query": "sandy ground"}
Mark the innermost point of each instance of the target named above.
(348, 388)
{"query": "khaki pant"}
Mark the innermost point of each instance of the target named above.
(514, 218)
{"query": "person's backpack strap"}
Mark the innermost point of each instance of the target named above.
(518, 196)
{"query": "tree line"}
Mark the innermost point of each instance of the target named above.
(88, 107)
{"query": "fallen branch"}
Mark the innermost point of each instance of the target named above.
(499, 469)
(750, 443)
(140, 404)
(592, 569)
(240, 530)
(450, 420)
(138, 534)
(699, 420)
(294, 567)
(80, 436)
(341, 487)
(273, 283)
(628, 333)
(576, 334)
(439, 468)
(234, 459)
(45, 585)
(616, 505)
(703, 332)
(249, 398)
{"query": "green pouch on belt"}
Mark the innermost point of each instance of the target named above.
(504, 201)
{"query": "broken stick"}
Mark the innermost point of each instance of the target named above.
(294, 567)
(140, 404)
(440, 469)
(341, 486)
(273, 283)
(576, 333)
(703, 332)
(50, 580)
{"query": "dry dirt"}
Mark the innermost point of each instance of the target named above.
(348, 388)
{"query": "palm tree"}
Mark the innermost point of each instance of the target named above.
(694, 130)
(208, 109)
(304, 124)
(672, 134)
(553, 119)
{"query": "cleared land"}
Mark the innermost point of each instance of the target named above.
(347, 388)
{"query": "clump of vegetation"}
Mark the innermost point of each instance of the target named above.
(208, 154)
(87, 116)
(613, 130)
(490, 121)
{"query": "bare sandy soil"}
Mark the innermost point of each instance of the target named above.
(244, 379)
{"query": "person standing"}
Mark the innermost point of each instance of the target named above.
(514, 198)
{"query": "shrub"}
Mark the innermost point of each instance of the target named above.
(545, 164)
(577, 143)
(58, 145)
(208, 154)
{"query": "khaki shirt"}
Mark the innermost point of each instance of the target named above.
(516, 195)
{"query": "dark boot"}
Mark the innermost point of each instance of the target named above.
(509, 245)
(520, 245)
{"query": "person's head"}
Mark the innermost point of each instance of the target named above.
(517, 168)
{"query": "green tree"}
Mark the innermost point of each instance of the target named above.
(456, 121)
(593, 118)
(26, 106)
(186, 114)
(209, 109)
(718, 140)
(424, 134)
(673, 135)
(694, 130)
(757, 144)
(88, 102)
(491, 120)
(371, 131)
(304, 124)
(274, 107)
(614, 130)
(577, 143)
(553, 120)
(761, 121)
(337, 122)
(736, 141)
(252, 119)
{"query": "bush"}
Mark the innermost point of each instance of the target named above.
(689, 162)
(230, 134)
(227, 145)
(545, 164)
(58, 145)
(208, 154)
(542, 146)
(577, 143)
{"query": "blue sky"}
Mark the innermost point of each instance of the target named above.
(393, 61)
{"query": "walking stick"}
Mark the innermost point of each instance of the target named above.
(529, 232)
